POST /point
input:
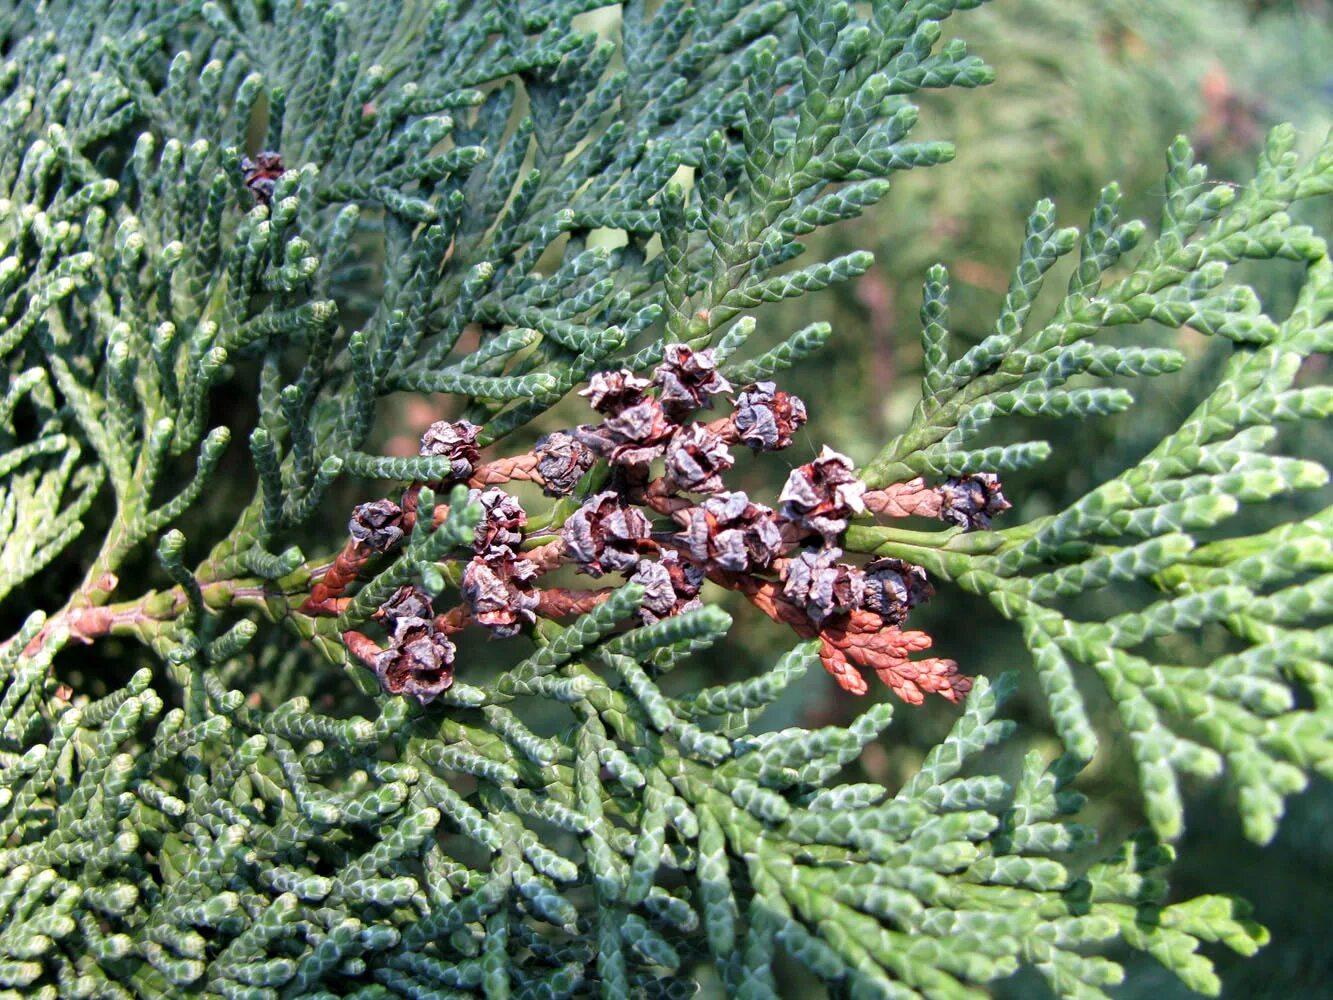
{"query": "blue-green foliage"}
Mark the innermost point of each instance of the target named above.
(1158, 520)
(454, 166)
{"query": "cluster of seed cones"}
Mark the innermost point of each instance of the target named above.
(667, 530)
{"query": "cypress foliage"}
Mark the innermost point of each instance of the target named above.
(230, 231)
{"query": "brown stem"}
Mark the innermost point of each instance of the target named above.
(546, 557)
(324, 597)
(766, 595)
(454, 620)
(560, 602)
(503, 470)
(553, 602)
(411, 500)
(911, 499)
(86, 624)
(661, 500)
(337, 578)
(725, 428)
(362, 646)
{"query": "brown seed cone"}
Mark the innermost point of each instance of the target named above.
(688, 380)
(562, 460)
(502, 521)
(894, 587)
(261, 174)
(457, 441)
(496, 588)
(821, 495)
(604, 535)
(823, 587)
(670, 586)
(734, 532)
(911, 499)
(695, 461)
(632, 436)
(766, 417)
(971, 501)
(406, 602)
(614, 392)
(377, 524)
(418, 661)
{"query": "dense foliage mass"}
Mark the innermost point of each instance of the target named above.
(232, 234)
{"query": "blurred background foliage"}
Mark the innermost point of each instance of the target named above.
(1087, 91)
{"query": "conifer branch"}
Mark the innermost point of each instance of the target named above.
(275, 220)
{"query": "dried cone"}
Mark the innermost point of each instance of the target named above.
(854, 612)
(633, 436)
(261, 174)
(688, 380)
(378, 525)
(765, 417)
(502, 520)
(406, 602)
(498, 592)
(971, 501)
(419, 661)
(614, 392)
(731, 531)
(561, 462)
(820, 585)
(602, 535)
(695, 461)
(822, 495)
(670, 586)
(894, 587)
(456, 440)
